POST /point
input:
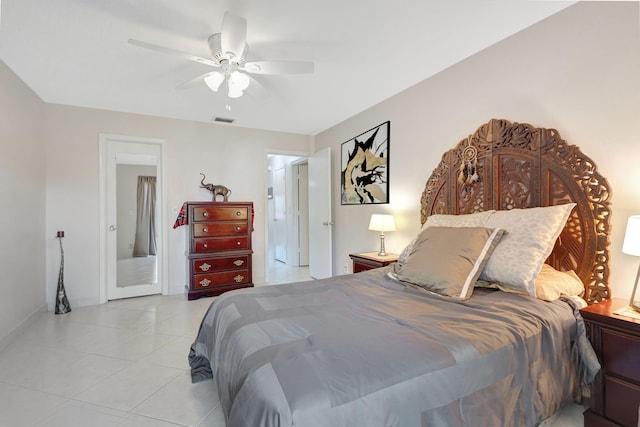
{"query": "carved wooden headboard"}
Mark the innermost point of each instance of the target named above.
(506, 165)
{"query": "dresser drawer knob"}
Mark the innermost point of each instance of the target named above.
(238, 243)
(238, 262)
(205, 229)
(205, 213)
(238, 228)
(238, 278)
(205, 245)
(205, 282)
(238, 213)
(205, 267)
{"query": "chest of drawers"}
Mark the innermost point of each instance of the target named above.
(218, 247)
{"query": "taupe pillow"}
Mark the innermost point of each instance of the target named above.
(448, 260)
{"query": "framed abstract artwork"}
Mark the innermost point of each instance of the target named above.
(365, 167)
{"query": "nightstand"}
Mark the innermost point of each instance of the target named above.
(368, 260)
(615, 392)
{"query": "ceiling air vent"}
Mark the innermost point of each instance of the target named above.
(223, 120)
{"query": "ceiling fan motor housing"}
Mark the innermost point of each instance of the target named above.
(216, 50)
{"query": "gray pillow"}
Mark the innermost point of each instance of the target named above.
(448, 260)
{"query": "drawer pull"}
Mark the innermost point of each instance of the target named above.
(205, 245)
(205, 214)
(238, 228)
(205, 229)
(205, 282)
(238, 262)
(238, 243)
(238, 278)
(205, 267)
(238, 213)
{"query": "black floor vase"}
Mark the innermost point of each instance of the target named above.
(62, 303)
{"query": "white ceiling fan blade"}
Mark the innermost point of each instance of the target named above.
(175, 52)
(278, 67)
(233, 35)
(257, 89)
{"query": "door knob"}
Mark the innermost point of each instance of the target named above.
(327, 223)
(112, 228)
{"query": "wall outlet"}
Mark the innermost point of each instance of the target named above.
(345, 268)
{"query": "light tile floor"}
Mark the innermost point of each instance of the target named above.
(123, 363)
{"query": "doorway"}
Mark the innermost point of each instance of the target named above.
(286, 239)
(133, 242)
(307, 233)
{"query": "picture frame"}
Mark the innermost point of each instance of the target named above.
(364, 173)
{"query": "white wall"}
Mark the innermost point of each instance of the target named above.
(231, 156)
(577, 71)
(22, 198)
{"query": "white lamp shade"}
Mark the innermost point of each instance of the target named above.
(234, 93)
(238, 81)
(213, 80)
(381, 222)
(631, 245)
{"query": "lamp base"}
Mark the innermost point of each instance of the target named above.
(632, 301)
(382, 251)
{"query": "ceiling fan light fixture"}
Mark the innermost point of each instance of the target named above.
(238, 81)
(214, 80)
(234, 92)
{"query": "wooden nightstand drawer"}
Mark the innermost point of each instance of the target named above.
(622, 400)
(615, 392)
(369, 260)
(625, 361)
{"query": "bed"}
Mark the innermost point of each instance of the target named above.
(462, 331)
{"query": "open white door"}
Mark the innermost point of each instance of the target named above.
(320, 219)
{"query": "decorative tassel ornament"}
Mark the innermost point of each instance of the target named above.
(62, 303)
(468, 174)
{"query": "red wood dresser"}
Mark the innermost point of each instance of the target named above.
(218, 247)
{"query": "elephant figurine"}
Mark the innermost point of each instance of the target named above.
(216, 190)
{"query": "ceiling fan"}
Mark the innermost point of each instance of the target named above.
(229, 50)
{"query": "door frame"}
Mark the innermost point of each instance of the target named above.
(104, 140)
(300, 218)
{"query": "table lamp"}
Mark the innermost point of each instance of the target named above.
(383, 223)
(631, 246)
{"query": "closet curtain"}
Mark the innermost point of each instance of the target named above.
(145, 241)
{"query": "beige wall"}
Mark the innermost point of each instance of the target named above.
(234, 157)
(22, 198)
(578, 71)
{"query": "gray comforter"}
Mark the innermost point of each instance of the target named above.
(363, 350)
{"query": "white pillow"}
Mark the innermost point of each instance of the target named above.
(528, 241)
(477, 219)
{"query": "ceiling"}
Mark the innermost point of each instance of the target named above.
(75, 52)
